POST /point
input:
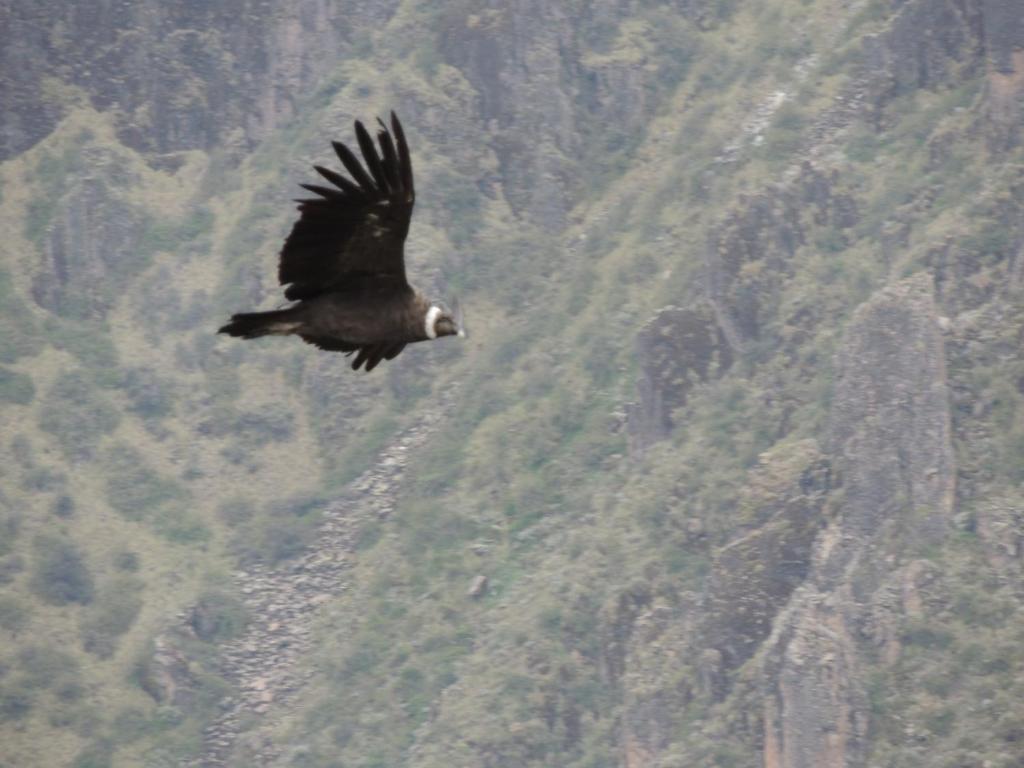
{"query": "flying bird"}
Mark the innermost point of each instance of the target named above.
(344, 263)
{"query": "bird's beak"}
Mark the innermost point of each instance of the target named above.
(460, 321)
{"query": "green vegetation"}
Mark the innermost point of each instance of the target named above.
(218, 616)
(60, 574)
(111, 615)
(16, 388)
(140, 493)
(579, 169)
(19, 331)
(280, 531)
(77, 415)
(172, 235)
(151, 397)
(51, 172)
(14, 614)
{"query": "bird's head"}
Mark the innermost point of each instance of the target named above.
(442, 321)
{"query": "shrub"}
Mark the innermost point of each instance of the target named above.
(64, 506)
(43, 666)
(234, 511)
(126, 561)
(784, 137)
(139, 493)
(16, 388)
(90, 343)
(10, 525)
(218, 616)
(99, 754)
(77, 415)
(60, 575)
(133, 489)
(19, 335)
(111, 616)
(10, 567)
(14, 614)
(273, 423)
(21, 449)
(42, 479)
(130, 725)
(151, 398)
(281, 531)
(15, 703)
(284, 538)
(179, 525)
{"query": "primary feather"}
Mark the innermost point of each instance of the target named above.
(344, 260)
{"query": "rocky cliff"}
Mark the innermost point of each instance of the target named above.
(727, 475)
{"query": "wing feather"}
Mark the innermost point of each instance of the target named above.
(405, 160)
(371, 158)
(339, 181)
(361, 357)
(356, 229)
(368, 356)
(323, 191)
(390, 160)
(393, 351)
(330, 345)
(354, 167)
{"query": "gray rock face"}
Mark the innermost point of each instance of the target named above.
(179, 75)
(537, 78)
(935, 42)
(168, 676)
(749, 249)
(512, 55)
(264, 662)
(677, 349)
(659, 638)
(1003, 28)
(890, 440)
(752, 577)
(890, 416)
(1001, 527)
(815, 712)
(926, 39)
(93, 238)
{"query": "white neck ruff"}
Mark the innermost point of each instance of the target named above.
(428, 325)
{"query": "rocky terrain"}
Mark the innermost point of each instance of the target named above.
(264, 662)
(727, 474)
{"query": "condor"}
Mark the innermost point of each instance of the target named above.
(344, 262)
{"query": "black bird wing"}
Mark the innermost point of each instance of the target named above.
(356, 227)
(370, 354)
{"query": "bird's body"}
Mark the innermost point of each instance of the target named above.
(368, 316)
(344, 262)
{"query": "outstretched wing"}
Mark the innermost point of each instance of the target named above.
(370, 354)
(355, 226)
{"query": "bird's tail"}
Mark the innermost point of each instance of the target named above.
(252, 325)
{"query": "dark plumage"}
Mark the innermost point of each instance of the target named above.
(344, 261)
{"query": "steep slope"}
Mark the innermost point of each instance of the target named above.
(730, 472)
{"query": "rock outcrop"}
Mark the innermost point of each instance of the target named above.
(890, 430)
(749, 251)
(891, 443)
(264, 663)
(91, 243)
(753, 577)
(178, 75)
(677, 349)
(1003, 31)
(537, 77)
(815, 709)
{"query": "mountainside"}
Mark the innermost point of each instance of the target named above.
(728, 474)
